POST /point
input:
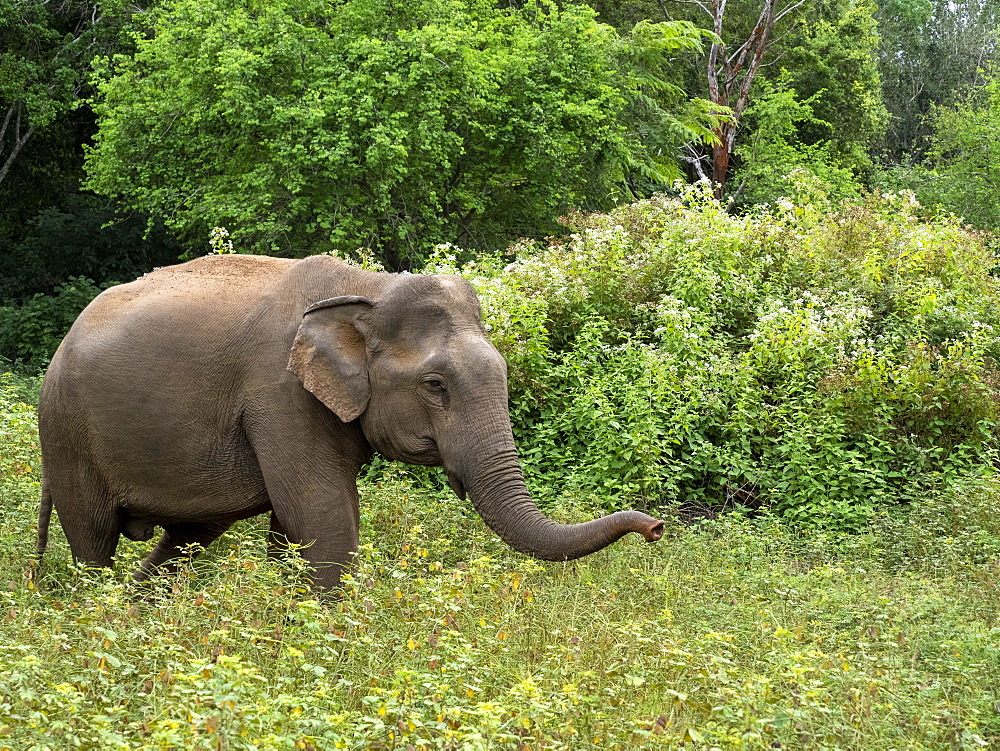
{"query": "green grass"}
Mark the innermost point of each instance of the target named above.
(733, 633)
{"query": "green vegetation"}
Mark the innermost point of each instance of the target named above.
(823, 363)
(393, 127)
(733, 633)
(832, 369)
(960, 173)
(305, 126)
(798, 366)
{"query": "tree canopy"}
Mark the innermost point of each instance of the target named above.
(305, 126)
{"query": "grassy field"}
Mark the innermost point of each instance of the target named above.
(730, 633)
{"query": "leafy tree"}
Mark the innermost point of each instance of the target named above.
(305, 124)
(826, 53)
(931, 52)
(961, 173)
(774, 158)
(833, 65)
(48, 231)
(45, 53)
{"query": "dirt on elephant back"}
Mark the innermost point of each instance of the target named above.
(234, 268)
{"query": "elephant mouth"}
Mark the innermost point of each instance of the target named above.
(455, 484)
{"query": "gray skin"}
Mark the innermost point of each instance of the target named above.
(233, 386)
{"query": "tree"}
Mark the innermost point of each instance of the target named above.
(961, 173)
(815, 61)
(82, 236)
(45, 53)
(931, 52)
(822, 112)
(832, 63)
(774, 159)
(307, 125)
(731, 72)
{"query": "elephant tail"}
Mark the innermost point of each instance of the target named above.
(44, 517)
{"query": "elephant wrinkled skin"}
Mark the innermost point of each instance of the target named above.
(231, 386)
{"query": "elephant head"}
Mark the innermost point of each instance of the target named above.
(414, 365)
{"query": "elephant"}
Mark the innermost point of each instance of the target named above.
(235, 385)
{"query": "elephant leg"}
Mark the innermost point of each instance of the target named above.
(320, 516)
(176, 537)
(327, 530)
(310, 470)
(92, 539)
(87, 513)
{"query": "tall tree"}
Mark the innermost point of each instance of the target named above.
(931, 52)
(304, 124)
(816, 61)
(961, 171)
(731, 70)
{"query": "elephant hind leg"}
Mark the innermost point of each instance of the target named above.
(93, 540)
(87, 511)
(177, 537)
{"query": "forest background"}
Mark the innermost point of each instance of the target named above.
(129, 131)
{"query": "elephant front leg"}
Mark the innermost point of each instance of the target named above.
(325, 532)
(175, 543)
(310, 473)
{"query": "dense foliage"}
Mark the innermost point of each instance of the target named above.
(303, 125)
(931, 52)
(801, 374)
(728, 634)
(46, 55)
(823, 363)
(962, 171)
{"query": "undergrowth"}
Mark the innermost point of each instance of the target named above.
(732, 633)
(821, 385)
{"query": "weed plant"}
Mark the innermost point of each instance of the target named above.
(730, 633)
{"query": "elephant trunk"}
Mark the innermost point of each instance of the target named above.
(499, 494)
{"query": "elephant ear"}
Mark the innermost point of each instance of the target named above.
(330, 354)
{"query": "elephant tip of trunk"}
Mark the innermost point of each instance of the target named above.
(652, 530)
(635, 521)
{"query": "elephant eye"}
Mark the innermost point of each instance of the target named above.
(435, 385)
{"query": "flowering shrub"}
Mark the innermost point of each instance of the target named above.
(822, 362)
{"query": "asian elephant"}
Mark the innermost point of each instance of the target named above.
(234, 385)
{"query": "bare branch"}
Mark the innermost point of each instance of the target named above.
(18, 145)
(6, 122)
(788, 9)
(695, 159)
(731, 203)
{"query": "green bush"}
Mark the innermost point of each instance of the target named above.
(824, 362)
(31, 332)
(81, 235)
